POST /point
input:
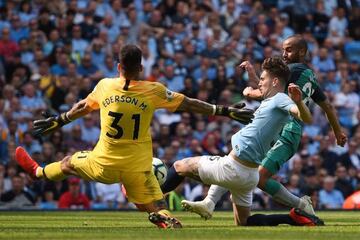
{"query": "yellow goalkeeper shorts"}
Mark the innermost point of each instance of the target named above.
(141, 187)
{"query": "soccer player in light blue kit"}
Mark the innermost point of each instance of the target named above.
(238, 171)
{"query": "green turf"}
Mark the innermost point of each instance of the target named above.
(134, 225)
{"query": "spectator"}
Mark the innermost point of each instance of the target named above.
(175, 197)
(343, 183)
(338, 23)
(17, 197)
(27, 56)
(88, 27)
(30, 101)
(109, 196)
(62, 61)
(74, 199)
(351, 158)
(48, 202)
(90, 132)
(347, 103)
(44, 21)
(26, 12)
(293, 185)
(76, 141)
(172, 81)
(30, 144)
(88, 69)
(18, 32)
(79, 45)
(8, 47)
(323, 62)
(112, 30)
(329, 197)
(60, 90)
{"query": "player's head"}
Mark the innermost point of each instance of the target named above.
(294, 49)
(130, 61)
(274, 76)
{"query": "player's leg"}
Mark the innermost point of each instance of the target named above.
(281, 152)
(242, 201)
(178, 171)
(144, 191)
(241, 214)
(205, 208)
(296, 217)
(242, 196)
(209, 169)
(173, 179)
(56, 171)
(229, 174)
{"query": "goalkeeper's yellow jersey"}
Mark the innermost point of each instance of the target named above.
(125, 140)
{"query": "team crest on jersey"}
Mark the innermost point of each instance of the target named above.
(169, 95)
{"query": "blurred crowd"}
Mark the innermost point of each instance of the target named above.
(53, 53)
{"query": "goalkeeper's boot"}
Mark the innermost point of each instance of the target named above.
(303, 219)
(306, 205)
(26, 162)
(204, 208)
(163, 219)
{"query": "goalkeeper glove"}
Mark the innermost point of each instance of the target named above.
(236, 112)
(50, 124)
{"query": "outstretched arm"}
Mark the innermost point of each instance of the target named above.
(236, 111)
(334, 123)
(51, 123)
(196, 106)
(300, 111)
(78, 110)
(250, 92)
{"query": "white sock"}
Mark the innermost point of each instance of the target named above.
(214, 194)
(39, 172)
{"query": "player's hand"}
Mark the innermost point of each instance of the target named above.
(237, 112)
(295, 93)
(247, 91)
(341, 138)
(248, 67)
(50, 124)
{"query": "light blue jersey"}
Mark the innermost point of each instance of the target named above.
(253, 141)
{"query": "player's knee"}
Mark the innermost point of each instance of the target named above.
(180, 167)
(66, 166)
(265, 175)
(262, 182)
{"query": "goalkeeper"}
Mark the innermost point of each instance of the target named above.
(124, 150)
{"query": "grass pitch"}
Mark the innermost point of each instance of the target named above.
(134, 225)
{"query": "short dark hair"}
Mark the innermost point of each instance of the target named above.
(130, 58)
(300, 42)
(276, 67)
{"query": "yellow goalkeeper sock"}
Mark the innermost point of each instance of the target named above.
(52, 172)
(165, 212)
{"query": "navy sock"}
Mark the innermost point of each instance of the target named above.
(172, 180)
(269, 220)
